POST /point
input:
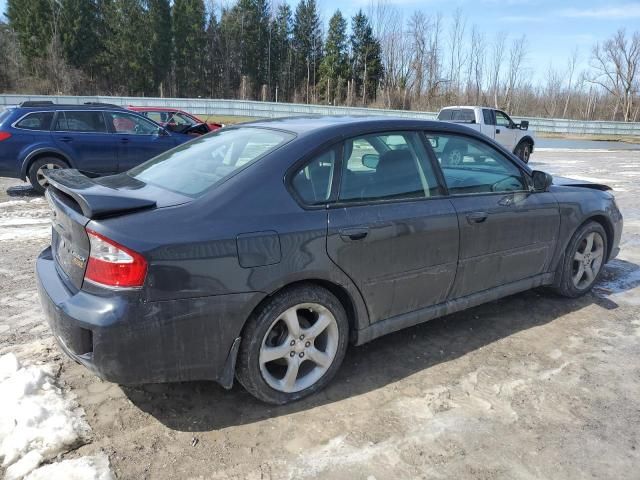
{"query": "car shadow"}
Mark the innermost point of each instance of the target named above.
(22, 191)
(205, 406)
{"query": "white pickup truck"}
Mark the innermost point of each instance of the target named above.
(494, 124)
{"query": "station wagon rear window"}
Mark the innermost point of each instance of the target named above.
(197, 166)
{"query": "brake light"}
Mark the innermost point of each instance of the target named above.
(4, 136)
(112, 265)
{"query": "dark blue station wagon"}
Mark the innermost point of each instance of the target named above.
(97, 139)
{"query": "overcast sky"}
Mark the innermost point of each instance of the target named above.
(554, 28)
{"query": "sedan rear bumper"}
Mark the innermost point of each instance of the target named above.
(126, 340)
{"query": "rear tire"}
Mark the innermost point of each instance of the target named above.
(38, 169)
(583, 261)
(294, 345)
(523, 151)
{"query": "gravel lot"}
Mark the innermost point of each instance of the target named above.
(532, 386)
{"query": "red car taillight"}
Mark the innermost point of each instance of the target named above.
(4, 136)
(112, 265)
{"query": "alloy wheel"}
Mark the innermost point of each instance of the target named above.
(587, 260)
(299, 347)
(40, 174)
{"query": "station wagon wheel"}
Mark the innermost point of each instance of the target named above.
(39, 168)
(587, 261)
(294, 345)
(585, 256)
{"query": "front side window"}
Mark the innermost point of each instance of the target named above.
(181, 119)
(386, 167)
(36, 121)
(81, 121)
(502, 120)
(313, 182)
(197, 166)
(471, 166)
(158, 117)
(123, 122)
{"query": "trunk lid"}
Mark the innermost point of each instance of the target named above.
(75, 200)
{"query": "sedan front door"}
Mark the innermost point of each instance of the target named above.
(507, 233)
(392, 232)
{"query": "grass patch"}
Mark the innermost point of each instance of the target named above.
(228, 119)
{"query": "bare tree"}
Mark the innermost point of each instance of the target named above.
(573, 60)
(475, 70)
(497, 59)
(517, 55)
(615, 63)
(457, 53)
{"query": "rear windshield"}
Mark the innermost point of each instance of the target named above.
(463, 115)
(197, 166)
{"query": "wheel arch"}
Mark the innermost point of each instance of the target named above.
(39, 153)
(526, 139)
(608, 228)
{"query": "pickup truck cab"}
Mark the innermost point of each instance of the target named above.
(495, 124)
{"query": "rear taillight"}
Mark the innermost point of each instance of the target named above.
(112, 265)
(4, 136)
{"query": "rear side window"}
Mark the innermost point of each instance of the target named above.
(197, 166)
(126, 123)
(386, 167)
(36, 121)
(313, 182)
(488, 116)
(79, 121)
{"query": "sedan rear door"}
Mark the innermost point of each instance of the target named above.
(507, 232)
(392, 231)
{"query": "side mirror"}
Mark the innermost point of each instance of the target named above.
(541, 181)
(370, 160)
(434, 142)
(524, 125)
(162, 132)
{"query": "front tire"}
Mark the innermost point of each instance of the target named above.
(294, 345)
(523, 151)
(583, 260)
(38, 169)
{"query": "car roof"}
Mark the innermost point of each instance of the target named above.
(44, 106)
(348, 125)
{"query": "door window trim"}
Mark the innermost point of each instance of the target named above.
(526, 177)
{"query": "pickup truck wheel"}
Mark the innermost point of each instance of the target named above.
(453, 157)
(523, 151)
(38, 169)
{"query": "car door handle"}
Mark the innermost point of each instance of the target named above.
(351, 234)
(66, 139)
(124, 140)
(477, 217)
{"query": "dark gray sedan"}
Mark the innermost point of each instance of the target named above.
(260, 251)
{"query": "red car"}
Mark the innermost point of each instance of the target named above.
(176, 120)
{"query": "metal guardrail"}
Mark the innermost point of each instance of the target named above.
(245, 108)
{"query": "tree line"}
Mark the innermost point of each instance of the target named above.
(268, 50)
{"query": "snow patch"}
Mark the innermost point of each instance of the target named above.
(84, 468)
(38, 421)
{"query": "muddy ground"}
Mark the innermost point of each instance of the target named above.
(531, 386)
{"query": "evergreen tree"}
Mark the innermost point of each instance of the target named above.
(160, 42)
(307, 44)
(78, 32)
(32, 22)
(334, 68)
(189, 22)
(281, 52)
(366, 65)
(213, 60)
(126, 59)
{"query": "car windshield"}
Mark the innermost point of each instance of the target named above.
(195, 167)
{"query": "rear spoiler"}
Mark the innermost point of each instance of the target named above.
(96, 200)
